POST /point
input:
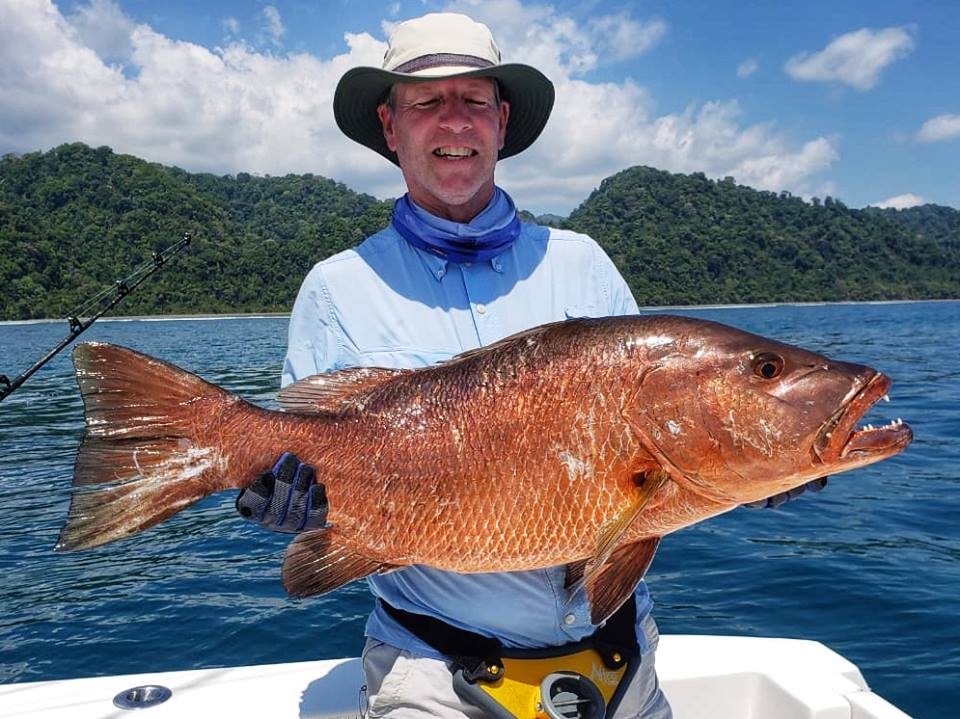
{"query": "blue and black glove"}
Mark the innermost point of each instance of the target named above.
(286, 499)
(778, 499)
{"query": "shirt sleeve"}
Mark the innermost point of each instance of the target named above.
(312, 345)
(620, 297)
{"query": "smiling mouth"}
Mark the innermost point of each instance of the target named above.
(454, 153)
(840, 440)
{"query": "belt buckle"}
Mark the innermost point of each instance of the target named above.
(571, 695)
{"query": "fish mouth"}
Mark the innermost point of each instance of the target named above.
(840, 440)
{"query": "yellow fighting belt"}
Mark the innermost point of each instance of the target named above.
(580, 680)
(534, 685)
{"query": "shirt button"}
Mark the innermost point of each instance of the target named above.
(481, 309)
(569, 619)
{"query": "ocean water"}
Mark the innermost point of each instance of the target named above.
(870, 566)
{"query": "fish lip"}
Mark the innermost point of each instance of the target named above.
(839, 439)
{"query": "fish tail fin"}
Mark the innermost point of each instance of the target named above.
(143, 457)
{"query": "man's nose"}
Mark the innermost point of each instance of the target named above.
(454, 116)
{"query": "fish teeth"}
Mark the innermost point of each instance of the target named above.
(885, 398)
(893, 424)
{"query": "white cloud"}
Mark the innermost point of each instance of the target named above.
(272, 24)
(620, 37)
(232, 26)
(220, 111)
(103, 27)
(238, 109)
(941, 127)
(855, 59)
(747, 67)
(900, 202)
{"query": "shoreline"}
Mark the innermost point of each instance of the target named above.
(645, 308)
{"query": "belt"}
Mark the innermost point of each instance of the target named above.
(579, 680)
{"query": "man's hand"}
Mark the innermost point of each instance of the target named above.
(778, 499)
(286, 499)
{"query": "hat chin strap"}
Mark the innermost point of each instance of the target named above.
(441, 59)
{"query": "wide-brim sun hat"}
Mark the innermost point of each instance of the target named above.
(434, 47)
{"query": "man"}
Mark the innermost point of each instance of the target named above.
(455, 270)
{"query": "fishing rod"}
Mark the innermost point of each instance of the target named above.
(111, 296)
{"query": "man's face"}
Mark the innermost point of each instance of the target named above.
(447, 135)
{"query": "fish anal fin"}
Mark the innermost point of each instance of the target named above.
(618, 578)
(318, 562)
(335, 392)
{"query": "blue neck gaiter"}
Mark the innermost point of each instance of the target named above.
(487, 235)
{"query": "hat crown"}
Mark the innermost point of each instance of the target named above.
(447, 38)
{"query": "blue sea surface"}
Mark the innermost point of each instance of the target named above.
(870, 566)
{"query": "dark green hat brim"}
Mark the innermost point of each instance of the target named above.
(359, 91)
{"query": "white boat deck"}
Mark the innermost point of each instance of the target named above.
(703, 676)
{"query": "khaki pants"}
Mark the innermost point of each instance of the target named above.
(403, 685)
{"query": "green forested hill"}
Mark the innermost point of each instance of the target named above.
(683, 239)
(938, 223)
(74, 219)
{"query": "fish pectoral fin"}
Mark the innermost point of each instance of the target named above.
(318, 562)
(616, 529)
(613, 584)
(334, 392)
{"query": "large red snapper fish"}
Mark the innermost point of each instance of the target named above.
(578, 443)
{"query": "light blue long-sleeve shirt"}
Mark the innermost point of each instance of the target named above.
(388, 304)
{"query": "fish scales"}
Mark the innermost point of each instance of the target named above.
(522, 503)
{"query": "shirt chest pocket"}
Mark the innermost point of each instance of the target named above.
(574, 312)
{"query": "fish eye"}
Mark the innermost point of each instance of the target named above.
(767, 365)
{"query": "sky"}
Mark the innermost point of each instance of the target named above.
(856, 100)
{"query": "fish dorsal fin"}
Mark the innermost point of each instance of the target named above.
(613, 584)
(613, 532)
(335, 391)
(317, 562)
(524, 338)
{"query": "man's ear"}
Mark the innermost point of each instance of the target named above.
(386, 121)
(504, 116)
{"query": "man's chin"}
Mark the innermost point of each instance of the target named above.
(458, 203)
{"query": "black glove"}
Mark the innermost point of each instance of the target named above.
(778, 499)
(286, 499)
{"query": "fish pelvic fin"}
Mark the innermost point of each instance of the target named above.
(141, 459)
(574, 574)
(335, 392)
(610, 587)
(318, 562)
